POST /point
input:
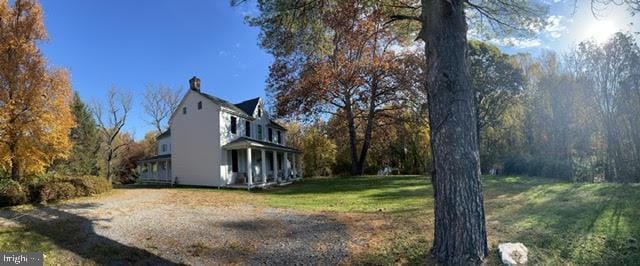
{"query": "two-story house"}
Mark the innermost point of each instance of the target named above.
(211, 142)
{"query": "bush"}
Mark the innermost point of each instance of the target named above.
(538, 166)
(12, 193)
(54, 191)
(90, 185)
(69, 187)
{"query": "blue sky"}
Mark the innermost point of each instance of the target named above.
(129, 44)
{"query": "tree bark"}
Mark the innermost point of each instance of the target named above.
(352, 137)
(460, 234)
(15, 168)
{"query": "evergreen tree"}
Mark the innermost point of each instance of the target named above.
(83, 160)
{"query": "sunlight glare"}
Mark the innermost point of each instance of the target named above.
(601, 30)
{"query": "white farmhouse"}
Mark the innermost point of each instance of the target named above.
(211, 142)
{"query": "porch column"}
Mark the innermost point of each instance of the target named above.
(249, 168)
(275, 167)
(293, 165)
(286, 166)
(263, 167)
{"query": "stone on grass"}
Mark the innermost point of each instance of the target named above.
(513, 253)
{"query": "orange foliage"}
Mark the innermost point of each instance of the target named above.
(35, 117)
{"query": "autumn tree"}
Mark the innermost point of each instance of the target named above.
(352, 73)
(111, 117)
(124, 164)
(610, 71)
(158, 103)
(35, 118)
(150, 143)
(460, 234)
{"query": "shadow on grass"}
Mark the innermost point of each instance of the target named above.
(347, 184)
(577, 223)
(77, 235)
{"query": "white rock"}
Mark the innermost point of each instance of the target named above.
(513, 253)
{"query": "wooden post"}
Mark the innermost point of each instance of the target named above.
(263, 167)
(293, 165)
(275, 167)
(285, 161)
(249, 169)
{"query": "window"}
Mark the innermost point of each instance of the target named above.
(184, 110)
(233, 124)
(270, 134)
(259, 111)
(279, 137)
(199, 105)
(260, 132)
(247, 128)
(164, 147)
(234, 161)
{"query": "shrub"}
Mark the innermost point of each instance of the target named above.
(57, 190)
(68, 187)
(90, 185)
(538, 166)
(12, 193)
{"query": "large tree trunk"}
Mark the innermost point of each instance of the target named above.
(15, 168)
(15, 163)
(352, 137)
(460, 234)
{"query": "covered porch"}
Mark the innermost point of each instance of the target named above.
(156, 169)
(252, 163)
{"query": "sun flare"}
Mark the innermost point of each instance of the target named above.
(601, 30)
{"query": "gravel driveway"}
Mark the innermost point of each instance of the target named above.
(169, 226)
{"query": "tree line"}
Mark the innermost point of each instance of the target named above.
(46, 130)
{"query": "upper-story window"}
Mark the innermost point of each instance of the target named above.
(184, 110)
(233, 124)
(279, 137)
(164, 148)
(247, 128)
(259, 111)
(260, 132)
(199, 105)
(270, 134)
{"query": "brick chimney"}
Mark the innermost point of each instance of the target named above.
(194, 84)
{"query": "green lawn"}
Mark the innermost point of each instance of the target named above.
(560, 222)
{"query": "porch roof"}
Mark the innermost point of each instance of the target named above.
(156, 158)
(244, 142)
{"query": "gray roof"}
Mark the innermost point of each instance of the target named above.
(157, 157)
(164, 134)
(268, 144)
(249, 106)
(226, 104)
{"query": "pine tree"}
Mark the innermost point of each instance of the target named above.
(82, 160)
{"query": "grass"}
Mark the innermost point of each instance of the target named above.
(392, 217)
(368, 194)
(560, 222)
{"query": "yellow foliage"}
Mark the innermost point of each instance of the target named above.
(35, 117)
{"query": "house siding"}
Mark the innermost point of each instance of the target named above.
(164, 141)
(195, 140)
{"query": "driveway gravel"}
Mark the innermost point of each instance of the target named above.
(174, 226)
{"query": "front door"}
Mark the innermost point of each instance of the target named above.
(234, 161)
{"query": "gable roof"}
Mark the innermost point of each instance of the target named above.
(164, 134)
(276, 125)
(226, 104)
(249, 106)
